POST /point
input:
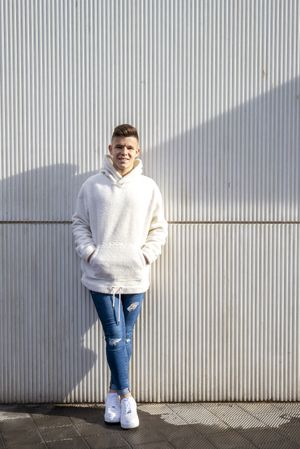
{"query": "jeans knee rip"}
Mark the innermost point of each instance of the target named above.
(114, 341)
(132, 306)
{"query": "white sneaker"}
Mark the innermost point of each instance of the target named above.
(112, 408)
(129, 416)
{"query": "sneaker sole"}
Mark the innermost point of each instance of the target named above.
(110, 421)
(132, 426)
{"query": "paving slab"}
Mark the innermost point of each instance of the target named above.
(162, 426)
(233, 415)
(159, 445)
(50, 434)
(263, 435)
(107, 441)
(72, 443)
(198, 414)
(258, 408)
(278, 445)
(90, 429)
(190, 440)
(230, 439)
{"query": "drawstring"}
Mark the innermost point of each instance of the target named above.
(115, 290)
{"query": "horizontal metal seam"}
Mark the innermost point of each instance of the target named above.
(169, 222)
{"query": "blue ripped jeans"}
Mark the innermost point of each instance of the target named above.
(118, 315)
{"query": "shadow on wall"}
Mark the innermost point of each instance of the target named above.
(249, 156)
(241, 165)
(45, 311)
(246, 156)
(43, 194)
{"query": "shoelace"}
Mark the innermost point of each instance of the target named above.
(113, 402)
(128, 406)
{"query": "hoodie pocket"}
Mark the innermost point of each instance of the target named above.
(117, 261)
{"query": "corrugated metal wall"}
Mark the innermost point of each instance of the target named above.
(214, 90)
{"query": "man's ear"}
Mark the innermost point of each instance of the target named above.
(110, 148)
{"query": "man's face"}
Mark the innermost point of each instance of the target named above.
(124, 151)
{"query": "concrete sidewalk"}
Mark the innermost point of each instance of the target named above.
(162, 426)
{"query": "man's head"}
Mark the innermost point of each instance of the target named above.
(124, 148)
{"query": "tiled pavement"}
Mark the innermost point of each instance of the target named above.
(162, 426)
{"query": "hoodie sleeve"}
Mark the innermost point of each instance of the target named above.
(84, 244)
(158, 230)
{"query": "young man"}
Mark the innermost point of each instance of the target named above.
(119, 229)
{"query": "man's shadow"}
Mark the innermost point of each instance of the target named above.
(46, 312)
(47, 319)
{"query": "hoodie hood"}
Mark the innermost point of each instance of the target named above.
(109, 170)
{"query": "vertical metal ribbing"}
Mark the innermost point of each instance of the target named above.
(243, 344)
(214, 325)
(213, 88)
(210, 84)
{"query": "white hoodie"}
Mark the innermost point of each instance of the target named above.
(120, 220)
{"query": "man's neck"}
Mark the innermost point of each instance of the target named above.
(123, 172)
